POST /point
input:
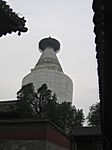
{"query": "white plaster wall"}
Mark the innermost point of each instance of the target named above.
(58, 82)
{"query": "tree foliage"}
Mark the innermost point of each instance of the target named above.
(69, 116)
(94, 115)
(26, 97)
(33, 103)
(44, 104)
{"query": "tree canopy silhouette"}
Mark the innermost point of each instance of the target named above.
(44, 104)
(94, 115)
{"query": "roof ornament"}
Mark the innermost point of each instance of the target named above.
(49, 43)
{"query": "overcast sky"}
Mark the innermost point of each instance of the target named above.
(70, 22)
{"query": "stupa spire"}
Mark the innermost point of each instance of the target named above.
(48, 60)
(49, 43)
(48, 70)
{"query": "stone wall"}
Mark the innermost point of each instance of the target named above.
(29, 145)
(22, 145)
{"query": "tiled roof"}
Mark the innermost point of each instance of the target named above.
(86, 131)
(7, 106)
(10, 21)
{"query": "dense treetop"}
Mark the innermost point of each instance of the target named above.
(94, 115)
(44, 104)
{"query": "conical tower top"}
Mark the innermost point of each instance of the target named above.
(49, 43)
(48, 70)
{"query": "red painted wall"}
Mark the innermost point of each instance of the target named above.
(33, 131)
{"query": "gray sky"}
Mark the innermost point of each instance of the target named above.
(69, 21)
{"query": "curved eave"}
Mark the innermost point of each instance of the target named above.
(10, 21)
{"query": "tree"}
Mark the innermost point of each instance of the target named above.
(52, 108)
(94, 115)
(79, 117)
(36, 104)
(69, 116)
(44, 104)
(47, 102)
(26, 98)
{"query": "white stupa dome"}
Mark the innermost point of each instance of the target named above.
(48, 70)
